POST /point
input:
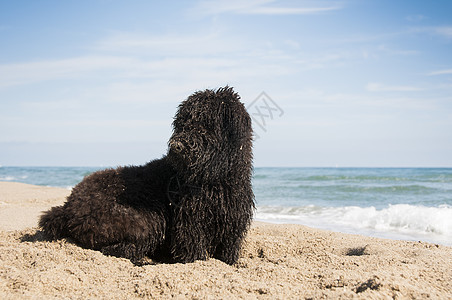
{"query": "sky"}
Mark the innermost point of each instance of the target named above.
(352, 83)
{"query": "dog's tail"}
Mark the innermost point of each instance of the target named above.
(54, 222)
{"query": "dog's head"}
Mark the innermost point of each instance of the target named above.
(212, 136)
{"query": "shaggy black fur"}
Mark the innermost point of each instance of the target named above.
(195, 202)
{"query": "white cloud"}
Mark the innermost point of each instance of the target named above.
(208, 58)
(112, 67)
(204, 43)
(392, 51)
(259, 7)
(440, 72)
(372, 103)
(416, 18)
(378, 87)
(442, 31)
(445, 31)
(292, 44)
(224, 6)
(290, 10)
(22, 73)
(94, 130)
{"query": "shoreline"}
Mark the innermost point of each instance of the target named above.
(278, 261)
(388, 235)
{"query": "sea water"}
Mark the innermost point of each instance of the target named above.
(63, 177)
(397, 203)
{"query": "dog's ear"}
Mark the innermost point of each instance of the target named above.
(237, 123)
(236, 120)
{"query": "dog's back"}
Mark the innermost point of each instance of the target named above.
(121, 212)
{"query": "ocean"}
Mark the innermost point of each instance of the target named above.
(396, 203)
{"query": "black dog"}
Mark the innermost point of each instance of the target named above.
(195, 202)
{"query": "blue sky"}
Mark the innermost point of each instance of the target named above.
(356, 83)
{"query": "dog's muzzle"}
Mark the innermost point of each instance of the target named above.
(177, 146)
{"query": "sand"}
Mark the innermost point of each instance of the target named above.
(277, 262)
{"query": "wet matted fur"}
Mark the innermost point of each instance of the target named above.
(195, 202)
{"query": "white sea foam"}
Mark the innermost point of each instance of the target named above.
(13, 178)
(400, 221)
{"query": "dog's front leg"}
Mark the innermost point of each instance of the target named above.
(188, 239)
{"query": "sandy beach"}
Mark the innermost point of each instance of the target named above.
(277, 262)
